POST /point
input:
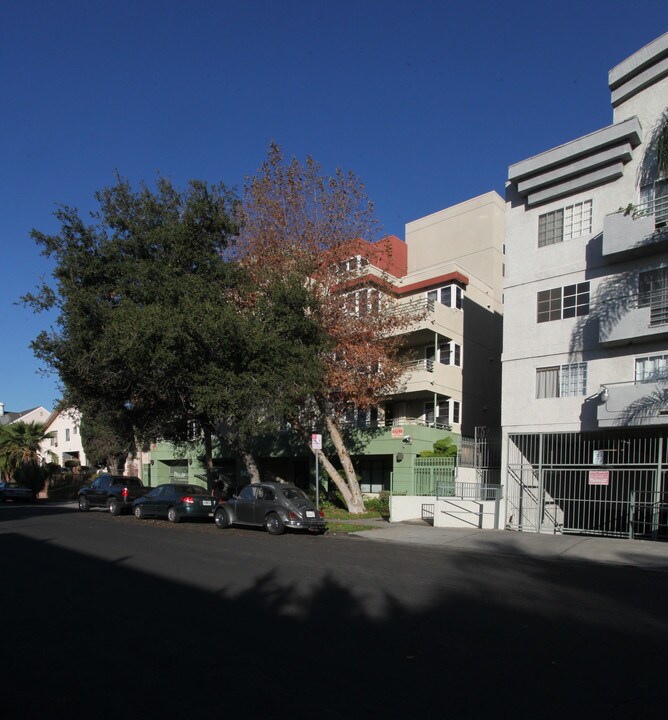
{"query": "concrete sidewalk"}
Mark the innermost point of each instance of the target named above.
(637, 553)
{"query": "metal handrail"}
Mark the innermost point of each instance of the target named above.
(657, 207)
(421, 364)
(468, 491)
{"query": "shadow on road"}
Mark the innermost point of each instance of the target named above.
(83, 637)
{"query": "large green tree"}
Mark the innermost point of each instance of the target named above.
(155, 336)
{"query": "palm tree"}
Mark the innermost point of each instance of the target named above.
(20, 448)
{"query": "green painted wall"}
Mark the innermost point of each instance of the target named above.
(287, 455)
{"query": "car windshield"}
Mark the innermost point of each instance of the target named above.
(294, 494)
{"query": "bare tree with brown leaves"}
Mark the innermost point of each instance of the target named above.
(298, 222)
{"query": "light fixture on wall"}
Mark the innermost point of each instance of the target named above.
(400, 456)
(604, 394)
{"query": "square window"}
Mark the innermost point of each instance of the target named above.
(573, 380)
(551, 228)
(547, 382)
(561, 303)
(565, 224)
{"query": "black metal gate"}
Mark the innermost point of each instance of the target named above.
(599, 484)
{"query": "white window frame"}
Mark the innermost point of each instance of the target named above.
(452, 355)
(567, 223)
(569, 380)
(456, 299)
(651, 368)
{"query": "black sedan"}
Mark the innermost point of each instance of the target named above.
(175, 502)
(272, 505)
(14, 491)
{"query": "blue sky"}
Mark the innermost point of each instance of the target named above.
(428, 102)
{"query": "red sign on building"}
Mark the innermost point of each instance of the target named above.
(599, 477)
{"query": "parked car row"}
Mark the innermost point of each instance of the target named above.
(272, 505)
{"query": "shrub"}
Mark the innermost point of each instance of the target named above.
(379, 504)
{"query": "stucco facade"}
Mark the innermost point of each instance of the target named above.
(64, 442)
(585, 305)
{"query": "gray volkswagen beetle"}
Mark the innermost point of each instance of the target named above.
(272, 505)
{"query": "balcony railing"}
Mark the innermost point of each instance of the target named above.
(418, 307)
(422, 364)
(657, 207)
(656, 301)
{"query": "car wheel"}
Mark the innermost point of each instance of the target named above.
(84, 505)
(139, 512)
(114, 507)
(172, 515)
(273, 524)
(221, 519)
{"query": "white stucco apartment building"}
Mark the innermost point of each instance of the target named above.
(64, 441)
(585, 397)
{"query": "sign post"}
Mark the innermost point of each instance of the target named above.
(316, 444)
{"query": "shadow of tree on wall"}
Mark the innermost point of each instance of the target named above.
(471, 635)
(648, 168)
(618, 293)
(613, 300)
(646, 408)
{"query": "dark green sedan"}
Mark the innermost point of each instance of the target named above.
(175, 502)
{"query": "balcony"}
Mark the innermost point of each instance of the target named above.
(633, 404)
(641, 319)
(429, 376)
(434, 317)
(639, 231)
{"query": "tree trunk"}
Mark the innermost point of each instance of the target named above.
(353, 495)
(251, 466)
(208, 456)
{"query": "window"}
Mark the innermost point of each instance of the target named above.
(75, 430)
(653, 293)
(450, 353)
(448, 412)
(449, 295)
(54, 439)
(567, 302)
(351, 265)
(565, 224)
(573, 380)
(561, 381)
(576, 300)
(442, 416)
(248, 493)
(651, 368)
(67, 434)
(362, 302)
(654, 201)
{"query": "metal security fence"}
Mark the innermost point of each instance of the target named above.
(649, 514)
(468, 491)
(430, 473)
(597, 483)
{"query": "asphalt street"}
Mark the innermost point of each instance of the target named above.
(113, 617)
